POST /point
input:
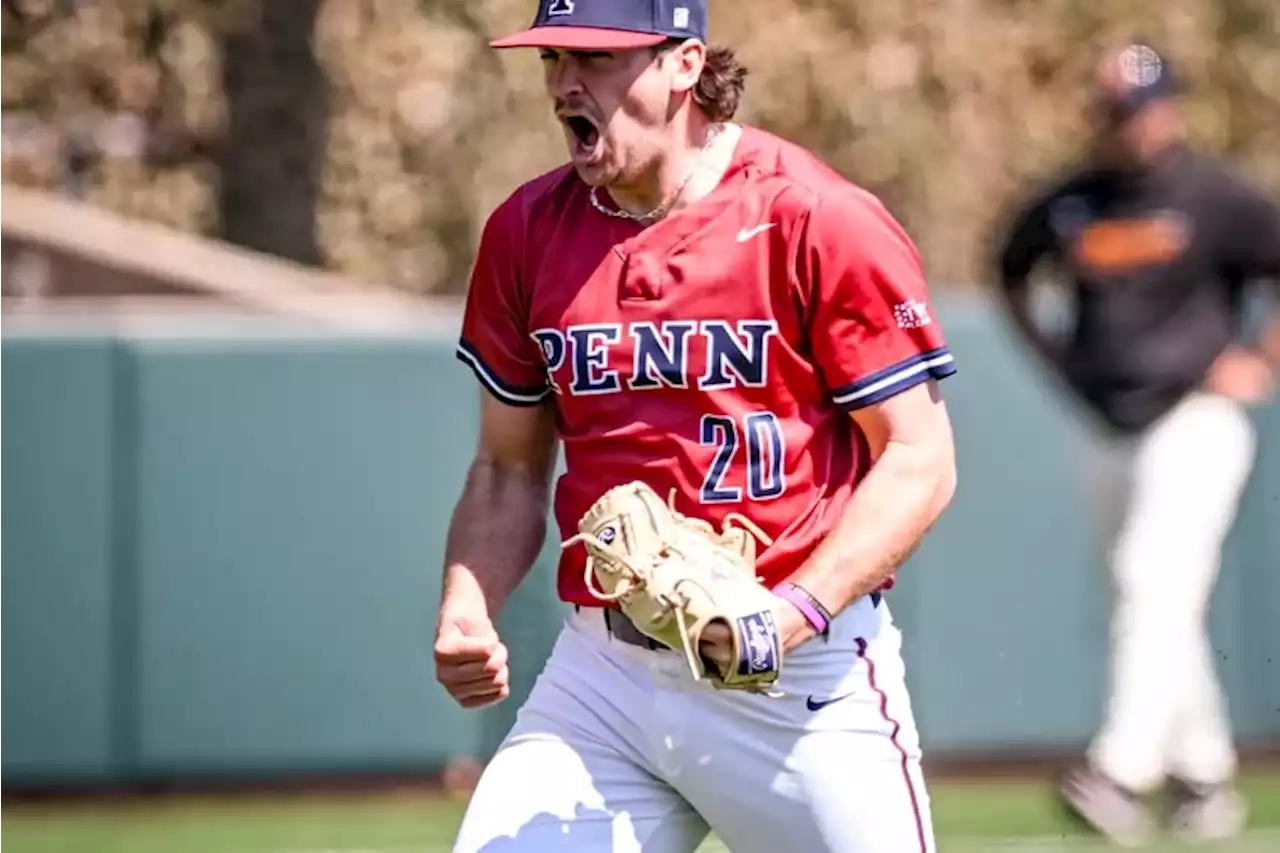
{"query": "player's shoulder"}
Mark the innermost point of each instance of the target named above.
(799, 182)
(1073, 183)
(1190, 162)
(1221, 184)
(534, 199)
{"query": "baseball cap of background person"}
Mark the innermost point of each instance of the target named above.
(610, 24)
(1133, 77)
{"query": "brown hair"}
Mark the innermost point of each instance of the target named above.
(719, 88)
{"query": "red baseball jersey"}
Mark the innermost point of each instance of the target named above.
(718, 351)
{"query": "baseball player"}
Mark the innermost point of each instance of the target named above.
(1157, 243)
(703, 308)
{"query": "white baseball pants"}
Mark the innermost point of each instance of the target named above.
(618, 749)
(1167, 500)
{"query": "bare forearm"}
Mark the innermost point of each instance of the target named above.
(495, 535)
(899, 500)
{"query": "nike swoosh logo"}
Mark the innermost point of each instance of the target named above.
(818, 704)
(747, 233)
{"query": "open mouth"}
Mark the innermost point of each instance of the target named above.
(583, 135)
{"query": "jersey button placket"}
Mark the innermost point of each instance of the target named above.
(641, 276)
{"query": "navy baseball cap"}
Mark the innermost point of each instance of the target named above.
(1136, 76)
(610, 24)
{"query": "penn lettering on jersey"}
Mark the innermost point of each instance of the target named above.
(716, 353)
(583, 360)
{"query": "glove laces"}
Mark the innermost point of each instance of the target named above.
(589, 577)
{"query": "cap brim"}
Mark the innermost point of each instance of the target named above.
(579, 38)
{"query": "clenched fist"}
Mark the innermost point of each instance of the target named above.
(471, 662)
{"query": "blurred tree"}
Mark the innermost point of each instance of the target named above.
(274, 140)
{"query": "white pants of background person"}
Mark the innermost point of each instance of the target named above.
(1167, 500)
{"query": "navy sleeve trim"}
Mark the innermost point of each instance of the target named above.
(512, 395)
(883, 384)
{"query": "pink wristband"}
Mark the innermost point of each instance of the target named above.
(806, 604)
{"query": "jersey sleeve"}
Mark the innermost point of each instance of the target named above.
(871, 325)
(495, 341)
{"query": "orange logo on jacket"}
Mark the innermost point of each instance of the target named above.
(1115, 245)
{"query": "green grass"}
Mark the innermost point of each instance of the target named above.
(969, 817)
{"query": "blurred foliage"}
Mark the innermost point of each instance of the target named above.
(373, 136)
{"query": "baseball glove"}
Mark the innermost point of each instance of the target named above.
(673, 576)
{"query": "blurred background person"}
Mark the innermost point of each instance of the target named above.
(1158, 243)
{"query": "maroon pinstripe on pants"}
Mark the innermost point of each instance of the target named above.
(896, 728)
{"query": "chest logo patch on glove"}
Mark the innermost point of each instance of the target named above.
(672, 576)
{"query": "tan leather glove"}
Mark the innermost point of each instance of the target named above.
(673, 575)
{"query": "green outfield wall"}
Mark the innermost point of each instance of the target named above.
(221, 557)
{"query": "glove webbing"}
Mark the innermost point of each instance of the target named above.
(637, 579)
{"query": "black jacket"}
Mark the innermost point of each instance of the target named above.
(1157, 262)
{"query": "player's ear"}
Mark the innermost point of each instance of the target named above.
(685, 62)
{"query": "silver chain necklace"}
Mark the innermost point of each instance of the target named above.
(662, 209)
